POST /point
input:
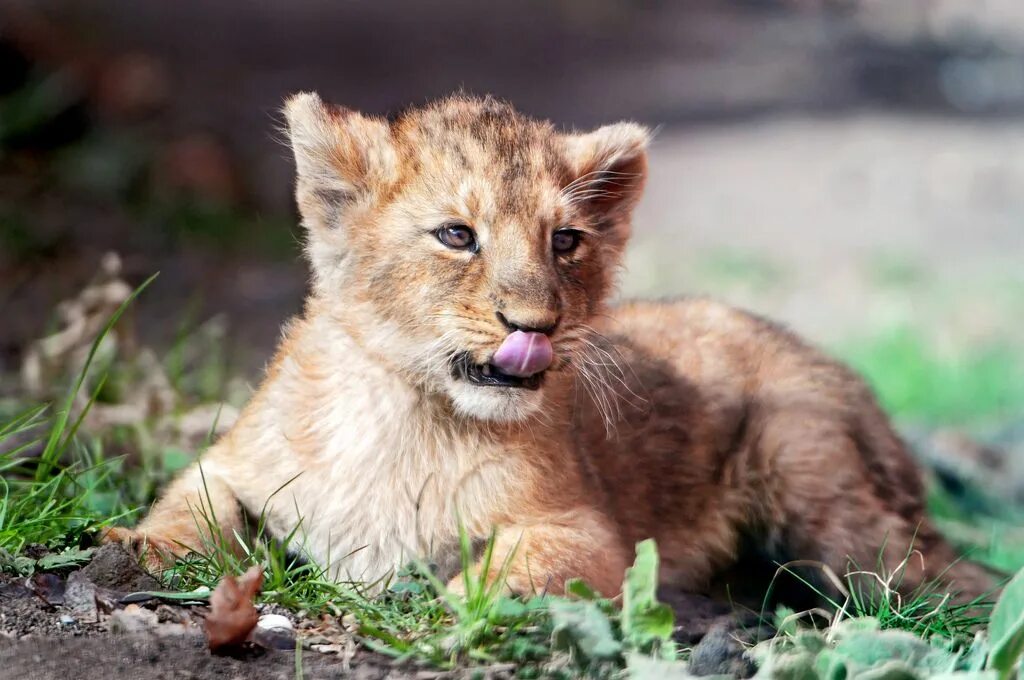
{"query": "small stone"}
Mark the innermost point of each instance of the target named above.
(132, 620)
(80, 597)
(66, 620)
(116, 569)
(327, 649)
(274, 631)
(274, 622)
(168, 614)
(720, 653)
(311, 640)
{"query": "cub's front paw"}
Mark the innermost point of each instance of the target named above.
(512, 585)
(156, 552)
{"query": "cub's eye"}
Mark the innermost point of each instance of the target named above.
(457, 236)
(565, 240)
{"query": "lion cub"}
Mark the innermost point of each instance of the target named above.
(457, 363)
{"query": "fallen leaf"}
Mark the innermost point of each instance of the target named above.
(49, 587)
(68, 558)
(232, 614)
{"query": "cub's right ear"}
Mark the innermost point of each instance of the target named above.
(341, 159)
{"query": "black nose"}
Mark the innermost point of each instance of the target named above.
(536, 326)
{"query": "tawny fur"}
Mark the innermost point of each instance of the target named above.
(689, 422)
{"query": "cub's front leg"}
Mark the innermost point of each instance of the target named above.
(197, 512)
(542, 556)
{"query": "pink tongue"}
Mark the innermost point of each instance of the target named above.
(523, 354)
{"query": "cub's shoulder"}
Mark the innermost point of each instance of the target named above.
(710, 340)
(699, 319)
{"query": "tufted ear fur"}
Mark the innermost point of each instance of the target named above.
(609, 167)
(342, 161)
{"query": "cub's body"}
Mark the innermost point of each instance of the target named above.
(389, 420)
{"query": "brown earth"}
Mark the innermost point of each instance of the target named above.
(146, 657)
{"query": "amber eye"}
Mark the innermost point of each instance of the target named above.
(457, 236)
(565, 240)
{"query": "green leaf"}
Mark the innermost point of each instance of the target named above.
(581, 625)
(579, 588)
(646, 623)
(200, 593)
(976, 655)
(506, 608)
(890, 654)
(1006, 628)
(785, 621)
(779, 663)
(406, 587)
(68, 558)
(19, 564)
(175, 459)
(643, 667)
(890, 670)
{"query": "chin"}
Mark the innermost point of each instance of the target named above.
(496, 404)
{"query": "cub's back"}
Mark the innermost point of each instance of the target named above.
(710, 404)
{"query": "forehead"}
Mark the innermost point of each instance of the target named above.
(485, 151)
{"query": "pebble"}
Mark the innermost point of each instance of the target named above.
(80, 597)
(132, 620)
(327, 649)
(721, 654)
(66, 620)
(274, 631)
(274, 622)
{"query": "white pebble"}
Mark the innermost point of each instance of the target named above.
(274, 622)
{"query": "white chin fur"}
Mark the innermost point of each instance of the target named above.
(498, 404)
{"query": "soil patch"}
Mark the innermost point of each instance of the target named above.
(111, 567)
(180, 657)
(82, 626)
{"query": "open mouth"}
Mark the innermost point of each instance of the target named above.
(488, 375)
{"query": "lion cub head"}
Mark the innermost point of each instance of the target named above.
(464, 244)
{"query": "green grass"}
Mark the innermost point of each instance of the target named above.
(916, 382)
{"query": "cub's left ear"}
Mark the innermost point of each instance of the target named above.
(341, 157)
(609, 166)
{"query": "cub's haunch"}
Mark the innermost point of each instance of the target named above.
(458, 362)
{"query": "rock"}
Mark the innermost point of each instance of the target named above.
(168, 614)
(114, 568)
(274, 631)
(66, 620)
(327, 649)
(132, 620)
(720, 653)
(274, 622)
(695, 614)
(15, 589)
(50, 587)
(80, 597)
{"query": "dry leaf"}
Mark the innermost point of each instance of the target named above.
(232, 614)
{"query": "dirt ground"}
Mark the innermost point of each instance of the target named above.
(147, 657)
(61, 625)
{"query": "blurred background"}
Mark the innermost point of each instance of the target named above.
(854, 168)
